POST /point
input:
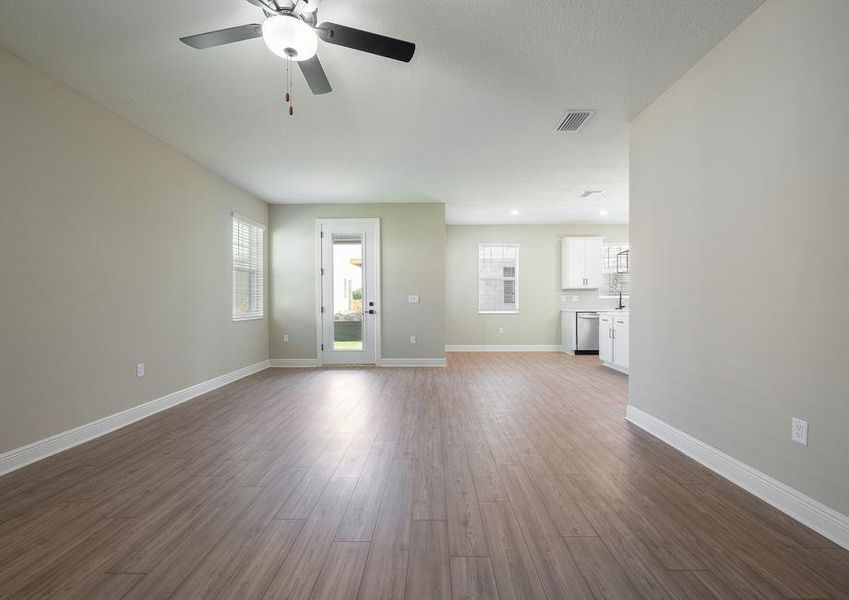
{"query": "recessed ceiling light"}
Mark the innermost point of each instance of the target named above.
(603, 213)
(514, 212)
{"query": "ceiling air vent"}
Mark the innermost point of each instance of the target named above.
(574, 120)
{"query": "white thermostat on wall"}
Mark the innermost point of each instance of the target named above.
(413, 299)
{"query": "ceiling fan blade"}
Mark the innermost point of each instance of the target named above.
(223, 36)
(315, 76)
(365, 41)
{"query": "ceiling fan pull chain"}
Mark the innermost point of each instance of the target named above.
(288, 96)
(286, 93)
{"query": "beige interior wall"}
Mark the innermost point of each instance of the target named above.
(114, 250)
(538, 321)
(739, 209)
(412, 262)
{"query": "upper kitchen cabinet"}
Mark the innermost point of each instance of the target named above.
(581, 264)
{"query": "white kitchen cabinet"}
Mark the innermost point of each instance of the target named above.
(613, 342)
(605, 337)
(621, 357)
(581, 263)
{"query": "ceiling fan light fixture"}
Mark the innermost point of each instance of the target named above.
(289, 37)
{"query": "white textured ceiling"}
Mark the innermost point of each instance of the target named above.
(468, 122)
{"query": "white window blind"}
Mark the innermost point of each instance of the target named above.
(614, 278)
(498, 278)
(248, 272)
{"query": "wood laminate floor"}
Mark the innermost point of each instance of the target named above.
(502, 476)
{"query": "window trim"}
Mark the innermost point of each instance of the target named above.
(515, 277)
(234, 216)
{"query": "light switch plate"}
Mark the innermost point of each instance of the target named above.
(140, 370)
(576, 298)
(412, 339)
(285, 338)
(799, 433)
(500, 330)
(413, 299)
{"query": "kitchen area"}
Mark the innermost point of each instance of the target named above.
(595, 292)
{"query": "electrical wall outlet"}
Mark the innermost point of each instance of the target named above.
(500, 330)
(412, 339)
(285, 338)
(413, 299)
(140, 370)
(799, 433)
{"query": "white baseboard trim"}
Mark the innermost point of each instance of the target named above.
(292, 363)
(504, 348)
(20, 457)
(411, 362)
(819, 517)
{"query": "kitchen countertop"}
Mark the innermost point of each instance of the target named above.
(624, 310)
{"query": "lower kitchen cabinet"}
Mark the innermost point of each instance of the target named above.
(613, 341)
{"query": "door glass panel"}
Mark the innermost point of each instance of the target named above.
(347, 291)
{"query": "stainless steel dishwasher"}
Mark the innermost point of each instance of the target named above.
(586, 333)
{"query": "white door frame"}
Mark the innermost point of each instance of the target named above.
(374, 223)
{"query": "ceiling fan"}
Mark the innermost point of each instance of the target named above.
(290, 31)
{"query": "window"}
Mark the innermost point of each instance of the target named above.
(248, 253)
(615, 270)
(498, 278)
